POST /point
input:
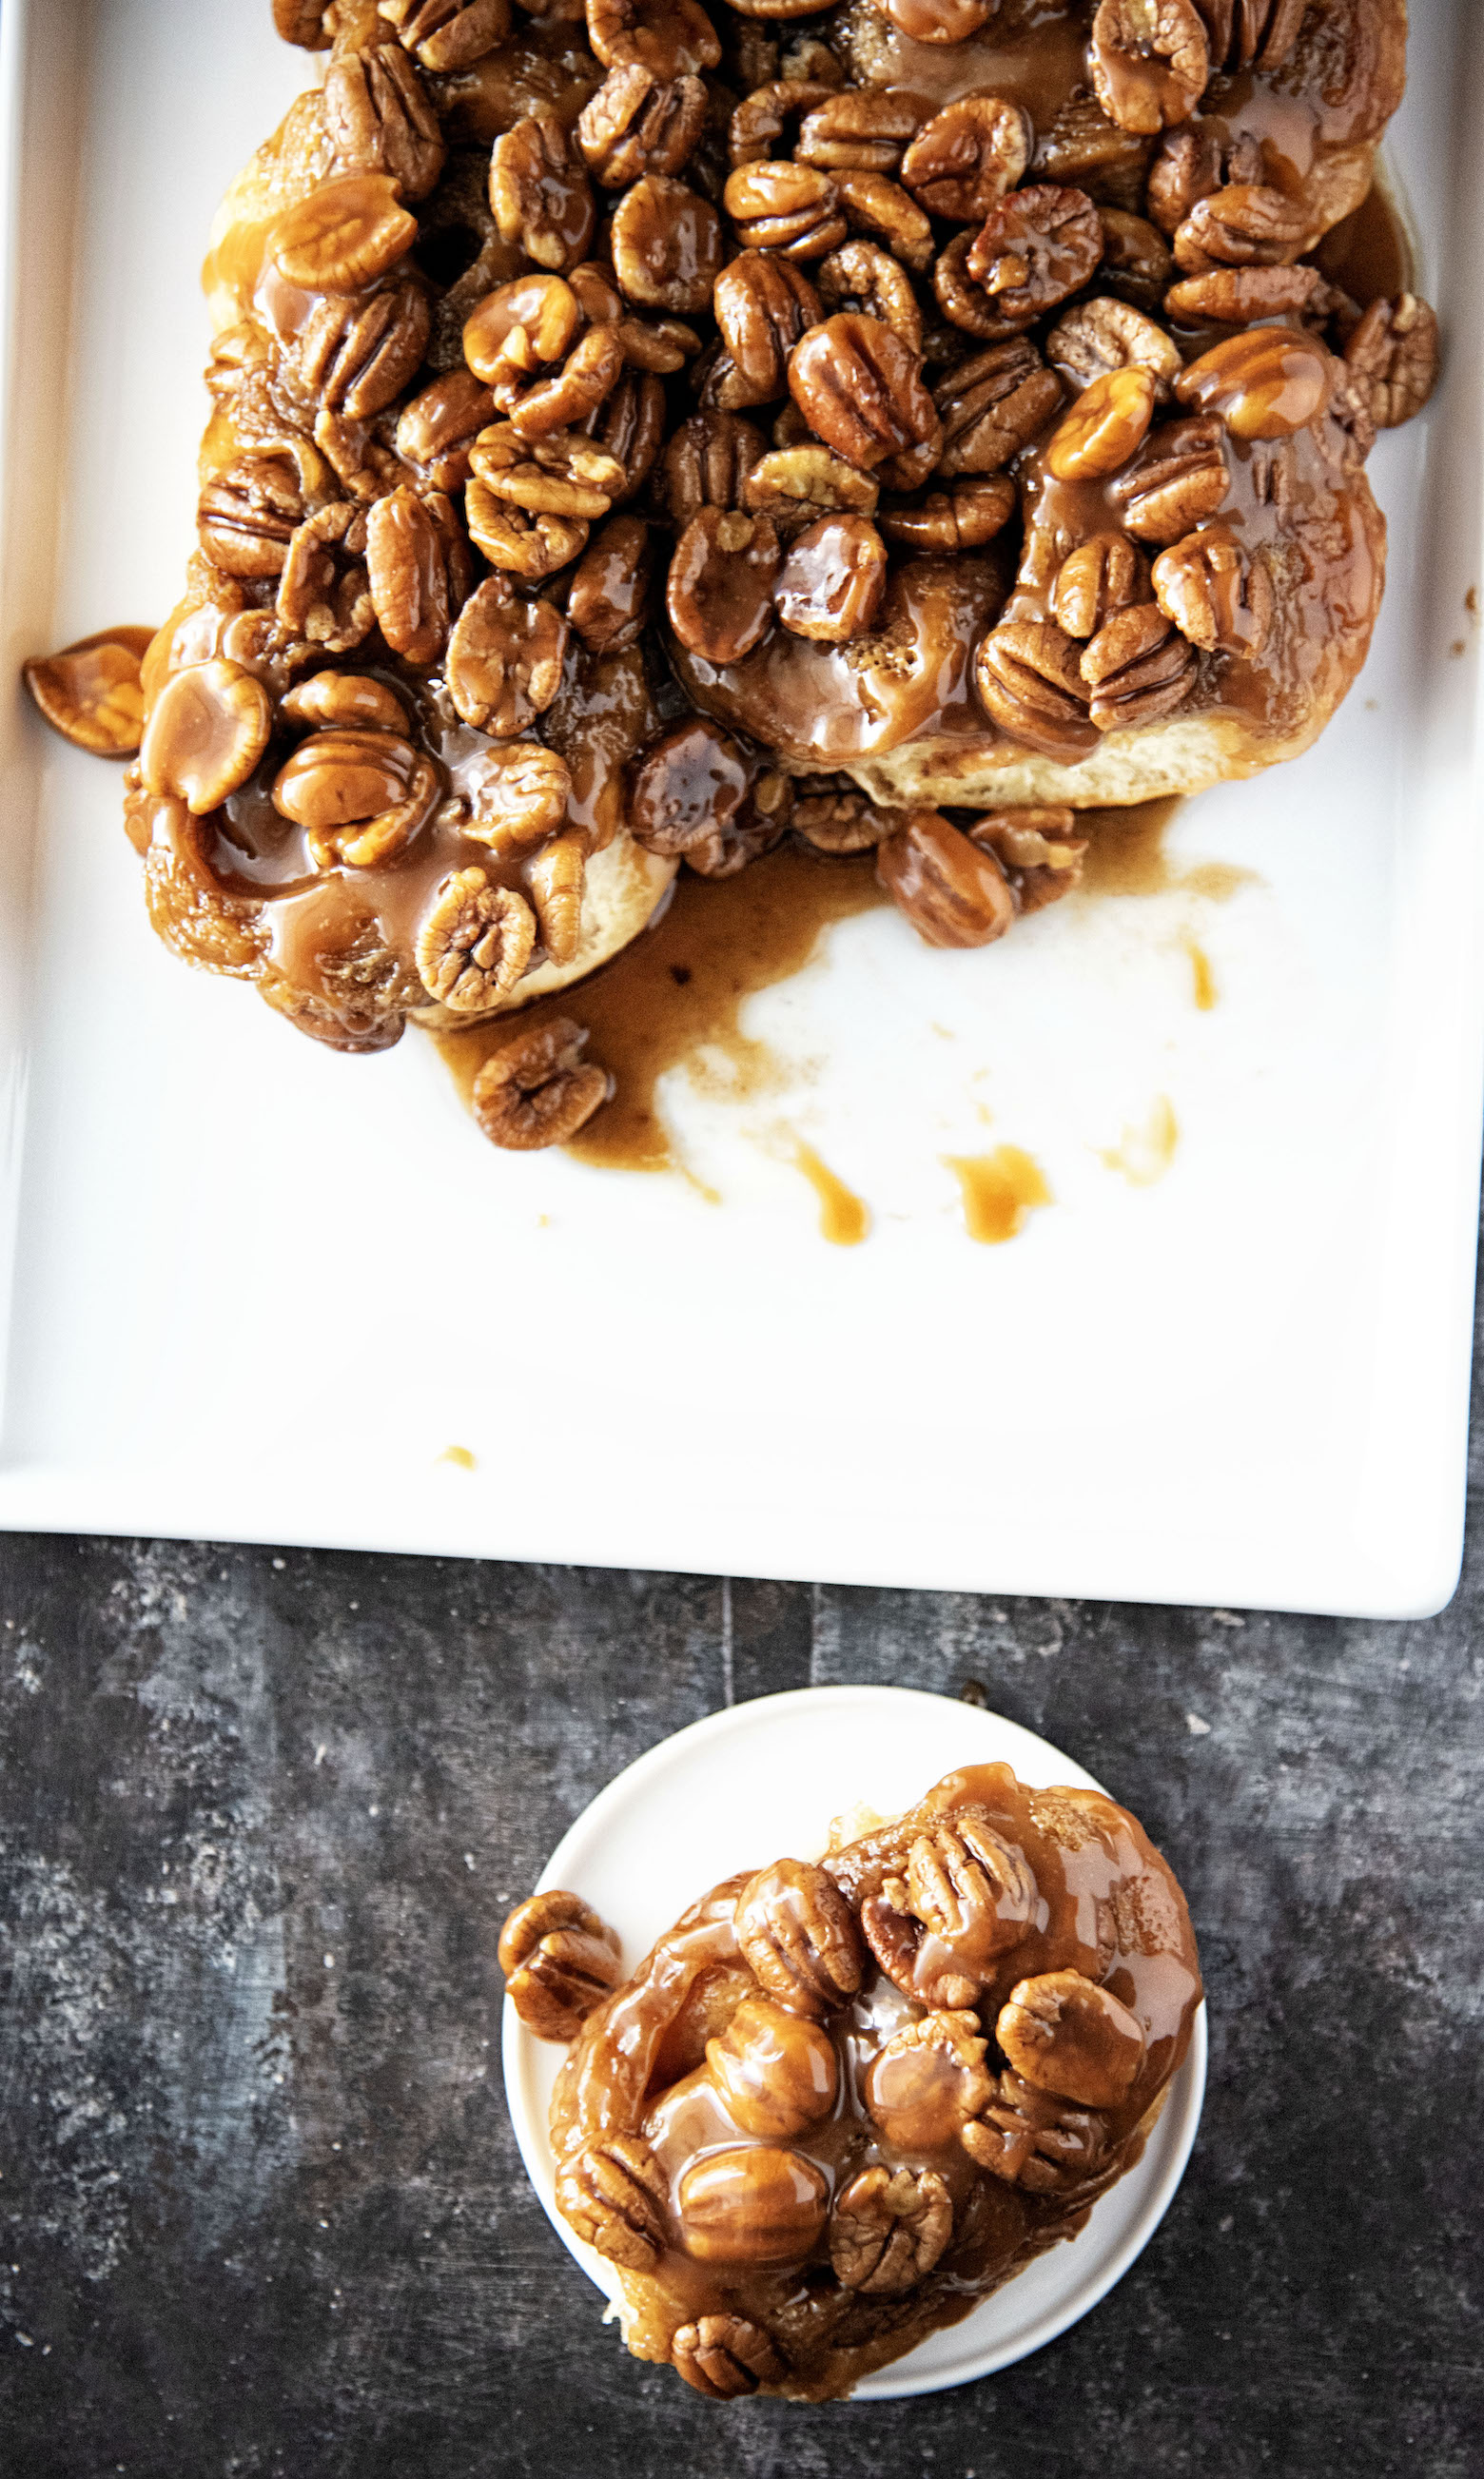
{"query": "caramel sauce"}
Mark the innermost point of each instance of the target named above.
(679, 991)
(999, 1189)
(843, 1216)
(460, 1457)
(1203, 979)
(1144, 1154)
(1126, 856)
(1369, 254)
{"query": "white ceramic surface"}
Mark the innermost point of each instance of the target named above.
(764, 1779)
(256, 1289)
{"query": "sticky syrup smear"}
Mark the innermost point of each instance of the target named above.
(843, 1216)
(1144, 1154)
(999, 1189)
(1203, 981)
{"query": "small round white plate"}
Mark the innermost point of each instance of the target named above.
(762, 1780)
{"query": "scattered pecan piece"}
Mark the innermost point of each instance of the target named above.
(1395, 355)
(613, 2194)
(530, 546)
(1030, 683)
(969, 156)
(1138, 264)
(952, 893)
(1251, 34)
(418, 567)
(564, 474)
(560, 1959)
(1150, 61)
(833, 817)
(888, 2229)
(1242, 225)
(725, 2356)
(1108, 424)
(328, 701)
(797, 1936)
(92, 692)
(707, 463)
(794, 487)
(1038, 850)
(206, 730)
(555, 879)
(752, 2205)
(474, 942)
(1192, 163)
(968, 1895)
(354, 353)
(505, 661)
(1214, 594)
(761, 118)
(436, 431)
(667, 244)
(302, 22)
(939, 21)
(872, 204)
(246, 515)
(533, 1091)
(608, 600)
(867, 280)
(517, 792)
(627, 429)
(861, 130)
(323, 595)
(1139, 668)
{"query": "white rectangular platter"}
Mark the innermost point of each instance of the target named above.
(256, 1291)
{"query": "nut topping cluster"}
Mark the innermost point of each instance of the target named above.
(839, 2100)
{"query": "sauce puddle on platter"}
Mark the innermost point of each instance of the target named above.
(844, 1217)
(999, 1189)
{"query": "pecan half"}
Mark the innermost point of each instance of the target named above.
(794, 487)
(719, 592)
(302, 22)
(1136, 261)
(763, 304)
(360, 794)
(1108, 424)
(726, 2357)
(627, 429)
(968, 1899)
(761, 118)
(246, 515)
(1395, 355)
(1150, 61)
(1213, 593)
(473, 943)
(540, 194)
(533, 1091)
(707, 463)
(1238, 297)
(696, 795)
(530, 546)
(1179, 480)
(1029, 2139)
(953, 894)
(1251, 34)
(520, 330)
(831, 585)
(859, 389)
(505, 661)
(1139, 667)
(336, 700)
(206, 730)
(1102, 576)
(872, 204)
(1242, 225)
(608, 600)
(1193, 163)
(1064, 2034)
(993, 406)
(638, 123)
(1038, 850)
(927, 2081)
(939, 21)
(1084, 147)
(1095, 336)
(797, 1936)
(1034, 249)
(861, 130)
(1030, 683)
(92, 691)
(323, 593)
(667, 244)
(969, 156)
(436, 431)
(1263, 384)
(888, 2229)
(378, 119)
(444, 34)
(346, 233)
(612, 2193)
(516, 791)
(790, 207)
(673, 37)
(868, 280)
(562, 474)
(416, 575)
(963, 519)
(353, 354)
(832, 816)
(560, 1959)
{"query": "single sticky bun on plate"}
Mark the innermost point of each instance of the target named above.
(839, 2103)
(643, 430)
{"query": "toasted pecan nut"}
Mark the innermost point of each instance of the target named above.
(694, 796)
(672, 38)
(964, 518)
(535, 1091)
(794, 487)
(1062, 2033)
(436, 431)
(612, 2191)
(628, 428)
(608, 600)
(861, 130)
(532, 545)
(517, 792)
(719, 592)
(953, 894)
(861, 390)
(925, 2083)
(1214, 593)
(1038, 851)
(206, 730)
(1194, 163)
(790, 207)
(378, 119)
(831, 585)
(1242, 225)
(444, 34)
(976, 1896)
(638, 124)
(757, 2204)
(1179, 480)
(1108, 424)
(993, 406)
(1138, 264)
(797, 1936)
(1251, 34)
(474, 942)
(1139, 668)
(328, 701)
(777, 2071)
(939, 21)
(870, 203)
(1243, 296)
(763, 304)
(1393, 355)
(969, 156)
(563, 474)
(323, 593)
(346, 233)
(726, 2357)
(1263, 384)
(407, 561)
(1150, 61)
(92, 691)
(540, 194)
(246, 515)
(518, 331)
(361, 796)
(761, 118)
(1086, 149)
(1028, 2139)
(888, 2229)
(867, 280)
(590, 374)
(354, 353)
(505, 661)
(1095, 336)
(302, 22)
(1034, 249)
(1028, 676)
(559, 1960)
(831, 816)
(666, 245)
(1099, 576)
(707, 463)
(555, 879)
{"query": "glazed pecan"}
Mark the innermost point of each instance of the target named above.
(612, 2192)
(870, 203)
(672, 38)
(1193, 163)
(953, 894)
(756, 2204)
(1082, 146)
(206, 730)
(1239, 297)
(777, 2071)
(969, 156)
(1107, 425)
(1064, 2034)
(378, 119)
(330, 700)
(1251, 34)
(540, 194)
(608, 600)
(794, 487)
(1213, 593)
(993, 406)
(963, 519)
(418, 566)
(1100, 576)
(799, 1937)
(1139, 667)
(1035, 249)
(831, 585)
(563, 475)
(1179, 480)
(763, 304)
(473, 943)
(565, 400)
(666, 245)
(505, 661)
(520, 330)
(725, 2356)
(861, 390)
(1263, 384)
(346, 233)
(832, 816)
(92, 692)
(532, 545)
(533, 1091)
(559, 1961)
(361, 796)
(968, 1899)
(1030, 683)
(246, 515)
(436, 431)
(1030, 2140)
(353, 355)
(555, 880)
(627, 429)
(927, 2081)
(939, 21)
(302, 22)
(867, 280)
(1093, 337)
(1150, 61)
(790, 207)
(698, 796)
(1137, 262)
(1038, 850)
(1393, 355)
(637, 124)
(323, 592)
(444, 34)
(861, 130)
(707, 463)
(761, 118)
(718, 593)
(1241, 226)
(516, 792)
(888, 2229)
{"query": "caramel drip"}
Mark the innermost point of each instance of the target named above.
(999, 1189)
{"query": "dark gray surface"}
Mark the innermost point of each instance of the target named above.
(260, 2209)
